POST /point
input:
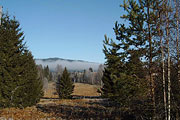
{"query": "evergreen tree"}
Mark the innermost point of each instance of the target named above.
(65, 85)
(47, 72)
(90, 69)
(33, 87)
(113, 67)
(124, 56)
(50, 76)
(107, 89)
(19, 83)
(134, 59)
(123, 79)
(141, 36)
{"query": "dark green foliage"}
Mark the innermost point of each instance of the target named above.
(107, 89)
(133, 73)
(19, 83)
(34, 84)
(65, 85)
(47, 73)
(90, 69)
(112, 68)
(50, 76)
(125, 73)
(124, 76)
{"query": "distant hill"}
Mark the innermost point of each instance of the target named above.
(72, 65)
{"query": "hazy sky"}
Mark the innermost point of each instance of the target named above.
(72, 29)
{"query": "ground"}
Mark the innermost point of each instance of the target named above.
(86, 104)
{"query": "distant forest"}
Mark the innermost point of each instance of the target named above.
(88, 76)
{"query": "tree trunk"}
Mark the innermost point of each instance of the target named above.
(150, 62)
(163, 70)
(176, 2)
(164, 82)
(177, 36)
(168, 50)
(0, 14)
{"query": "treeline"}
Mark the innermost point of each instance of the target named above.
(89, 76)
(142, 72)
(86, 76)
(45, 76)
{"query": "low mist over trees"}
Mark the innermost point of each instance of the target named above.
(59, 70)
(71, 65)
(86, 76)
(19, 83)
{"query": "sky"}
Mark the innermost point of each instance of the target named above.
(69, 29)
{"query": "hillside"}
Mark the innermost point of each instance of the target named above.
(72, 65)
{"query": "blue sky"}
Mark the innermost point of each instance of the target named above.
(70, 29)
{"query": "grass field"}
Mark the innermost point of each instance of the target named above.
(86, 90)
(80, 89)
(51, 104)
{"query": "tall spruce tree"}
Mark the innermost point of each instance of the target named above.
(112, 69)
(136, 48)
(47, 72)
(141, 35)
(64, 85)
(19, 83)
(151, 29)
(123, 80)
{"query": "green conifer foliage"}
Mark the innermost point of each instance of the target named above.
(19, 84)
(50, 77)
(47, 73)
(107, 89)
(65, 85)
(113, 67)
(123, 78)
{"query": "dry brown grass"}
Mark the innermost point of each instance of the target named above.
(29, 113)
(80, 89)
(86, 90)
(32, 113)
(51, 92)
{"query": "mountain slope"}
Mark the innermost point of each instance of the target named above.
(73, 65)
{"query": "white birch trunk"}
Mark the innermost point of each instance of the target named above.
(163, 73)
(168, 50)
(0, 14)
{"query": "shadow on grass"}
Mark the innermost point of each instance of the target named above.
(96, 110)
(85, 97)
(76, 97)
(77, 112)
